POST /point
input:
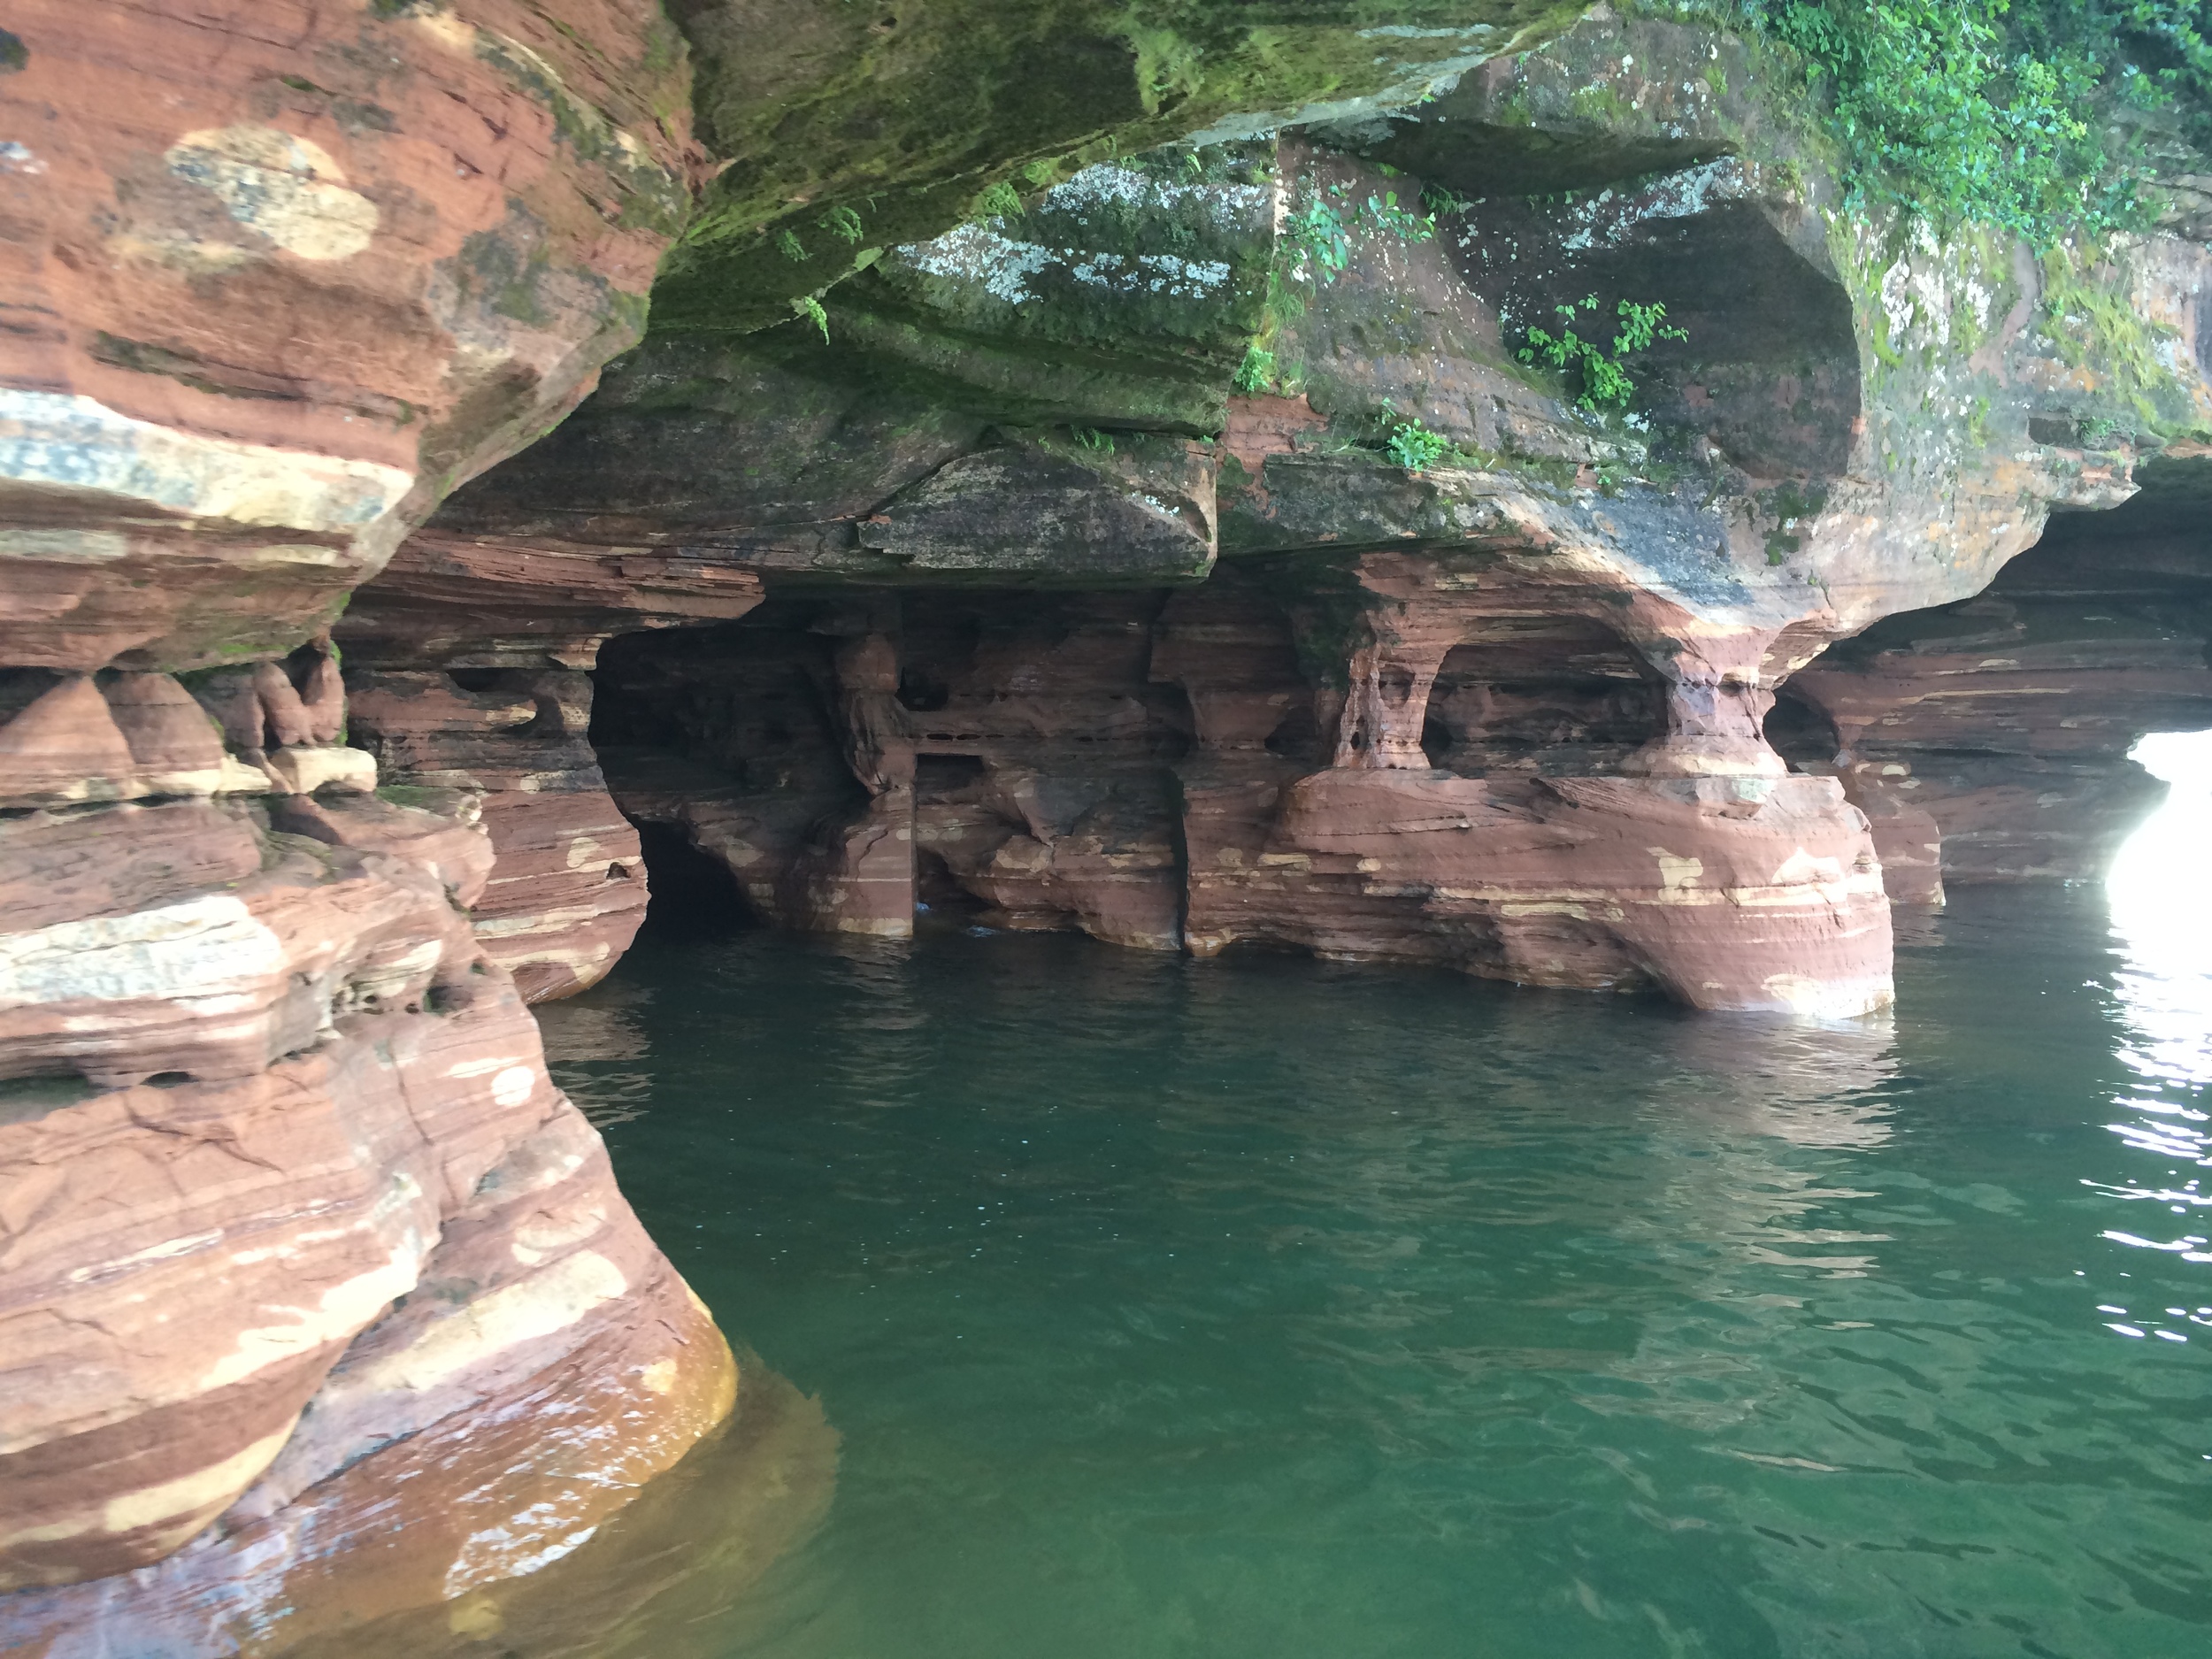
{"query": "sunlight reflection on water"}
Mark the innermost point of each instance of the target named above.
(2160, 890)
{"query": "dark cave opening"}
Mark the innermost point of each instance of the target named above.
(694, 894)
(1800, 733)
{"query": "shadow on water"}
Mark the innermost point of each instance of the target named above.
(1276, 1308)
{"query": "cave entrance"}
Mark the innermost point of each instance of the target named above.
(2160, 884)
(949, 794)
(1801, 733)
(693, 895)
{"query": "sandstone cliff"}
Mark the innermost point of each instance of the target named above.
(1114, 468)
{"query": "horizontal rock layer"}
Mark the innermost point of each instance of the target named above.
(2003, 725)
(291, 1217)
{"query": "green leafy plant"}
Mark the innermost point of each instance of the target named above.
(1415, 447)
(1439, 201)
(1994, 111)
(1320, 234)
(843, 222)
(809, 309)
(1394, 220)
(1256, 373)
(1001, 201)
(1092, 439)
(1605, 382)
(790, 247)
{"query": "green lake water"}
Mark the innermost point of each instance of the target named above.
(1273, 1308)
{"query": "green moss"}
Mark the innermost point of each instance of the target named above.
(907, 123)
(653, 197)
(2093, 325)
(1601, 103)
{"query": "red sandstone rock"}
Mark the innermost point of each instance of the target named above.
(64, 747)
(448, 598)
(243, 1234)
(58, 867)
(1750, 895)
(276, 281)
(2001, 726)
(539, 1314)
(568, 892)
(303, 1083)
(282, 280)
(1046, 787)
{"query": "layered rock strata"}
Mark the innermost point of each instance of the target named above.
(467, 667)
(1165, 368)
(1140, 765)
(296, 1228)
(274, 288)
(1995, 734)
(294, 1217)
(300, 1249)
(1001, 519)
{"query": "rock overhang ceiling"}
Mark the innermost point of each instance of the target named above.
(988, 501)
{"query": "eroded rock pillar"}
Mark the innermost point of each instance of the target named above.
(1386, 702)
(1716, 721)
(1698, 867)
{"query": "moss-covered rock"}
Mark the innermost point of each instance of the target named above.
(847, 128)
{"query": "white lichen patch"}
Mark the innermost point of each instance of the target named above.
(51, 439)
(285, 187)
(988, 254)
(979, 254)
(1230, 206)
(513, 1085)
(198, 949)
(1610, 216)
(1932, 295)
(1151, 273)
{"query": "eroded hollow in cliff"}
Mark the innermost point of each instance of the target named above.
(1546, 695)
(1005, 756)
(1032, 760)
(2160, 888)
(2009, 719)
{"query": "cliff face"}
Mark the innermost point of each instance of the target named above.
(292, 1225)
(1106, 592)
(2004, 722)
(1004, 516)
